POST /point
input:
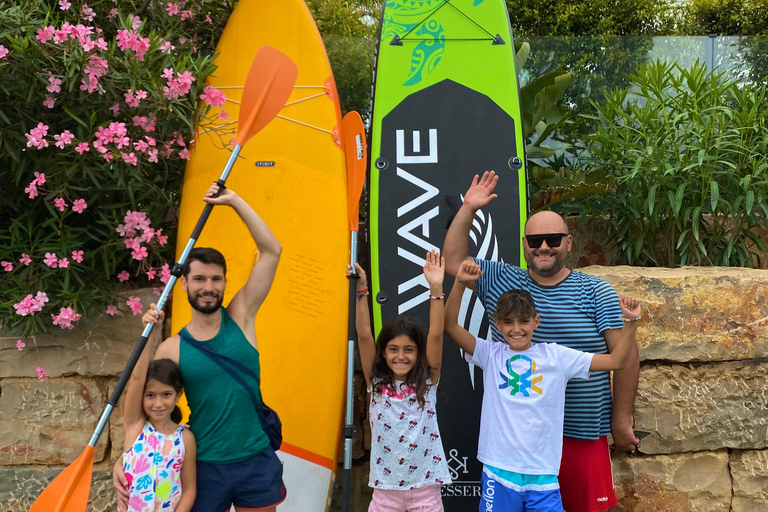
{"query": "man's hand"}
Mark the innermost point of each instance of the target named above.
(630, 307)
(120, 483)
(624, 437)
(434, 269)
(152, 316)
(227, 196)
(480, 193)
(362, 281)
(469, 272)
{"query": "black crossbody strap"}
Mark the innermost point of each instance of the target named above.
(219, 360)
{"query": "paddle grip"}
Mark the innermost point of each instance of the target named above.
(346, 483)
(135, 355)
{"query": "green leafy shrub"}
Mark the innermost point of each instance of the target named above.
(688, 151)
(99, 103)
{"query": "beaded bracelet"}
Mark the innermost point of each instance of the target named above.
(433, 297)
(631, 319)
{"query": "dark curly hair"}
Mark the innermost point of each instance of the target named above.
(417, 378)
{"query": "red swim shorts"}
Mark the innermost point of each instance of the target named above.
(586, 481)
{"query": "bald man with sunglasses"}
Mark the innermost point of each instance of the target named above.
(577, 310)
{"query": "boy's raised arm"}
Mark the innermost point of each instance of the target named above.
(617, 359)
(434, 272)
(468, 272)
(366, 345)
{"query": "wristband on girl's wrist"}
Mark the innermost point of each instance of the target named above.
(362, 291)
(628, 320)
(437, 297)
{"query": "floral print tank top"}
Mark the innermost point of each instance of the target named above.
(153, 469)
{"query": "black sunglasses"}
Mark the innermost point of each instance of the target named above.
(552, 239)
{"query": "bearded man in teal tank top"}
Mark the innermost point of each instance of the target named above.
(576, 310)
(235, 463)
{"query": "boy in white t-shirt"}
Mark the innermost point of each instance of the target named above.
(521, 427)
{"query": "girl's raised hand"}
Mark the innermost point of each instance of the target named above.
(152, 316)
(630, 307)
(434, 268)
(362, 281)
(469, 272)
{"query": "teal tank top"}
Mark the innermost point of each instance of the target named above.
(223, 417)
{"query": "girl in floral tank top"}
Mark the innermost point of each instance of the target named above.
(159, 457)
(401, 369)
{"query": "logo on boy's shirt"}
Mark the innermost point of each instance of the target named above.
(519, 378)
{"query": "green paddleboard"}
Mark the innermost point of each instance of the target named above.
(445, 107)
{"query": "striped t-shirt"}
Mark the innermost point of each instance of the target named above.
(573, 313)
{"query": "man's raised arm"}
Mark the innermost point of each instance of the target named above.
(478, 196)
(249, 298)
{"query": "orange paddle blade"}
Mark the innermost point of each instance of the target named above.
(69, 491)
(356, 153)
(269, 84)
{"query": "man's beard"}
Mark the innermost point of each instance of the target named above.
(206, 310)
(550, 270)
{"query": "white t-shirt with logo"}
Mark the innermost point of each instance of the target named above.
(521, 426)
(406, 447)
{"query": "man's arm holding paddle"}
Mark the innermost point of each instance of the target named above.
(456, 246)
(247, 301)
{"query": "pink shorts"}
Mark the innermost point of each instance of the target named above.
(425, 499)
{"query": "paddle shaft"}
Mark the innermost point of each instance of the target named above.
(349, 427)
(175, 274)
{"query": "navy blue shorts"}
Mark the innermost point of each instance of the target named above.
(255, 483)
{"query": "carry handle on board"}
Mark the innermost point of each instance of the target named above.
(269, 84)
(355, 151)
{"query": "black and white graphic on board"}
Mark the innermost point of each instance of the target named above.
(432, 144)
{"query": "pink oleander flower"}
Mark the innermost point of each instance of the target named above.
(31, 189)
(157, 291)
(79, 205)
(41, 374)
(20, 345)
(55, 84)
(208, 19)
(94, 69)
(213, 96)
(60, 203)
(40, 178)
(36, 136)
(65, 318)
(49, 102)
(130, 158)
(64, 139)
(135, 304)
(141, 146)
(77, 256)
(186, 14)
(82, 147)
(140, 253)
(7, 266)
(184, 154)
(151, 273)
(3, 51)
(30, 305)
(150, 140)
(88, 13)
(130, 99)
(112, 14)
(115, 109)
(63, 263)
(111, 310)
(141, 95)
(51, 260)
(223, 115)
(45, 34)
(108, 157)
(130, 40)
(25, 259)
(165, 273)
(172, 8)
(64, 5)
(167, 47)
(179, 86)
(152, 155)
(123, 276)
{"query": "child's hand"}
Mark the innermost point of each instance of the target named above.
(469, 272)
(434, 269)
(152, 316)
(630, 307)
(362, 281)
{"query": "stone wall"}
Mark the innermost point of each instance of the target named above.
(703, 393)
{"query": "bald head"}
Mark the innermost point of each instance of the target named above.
(546, 222)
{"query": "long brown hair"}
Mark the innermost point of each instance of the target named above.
(417, 378)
